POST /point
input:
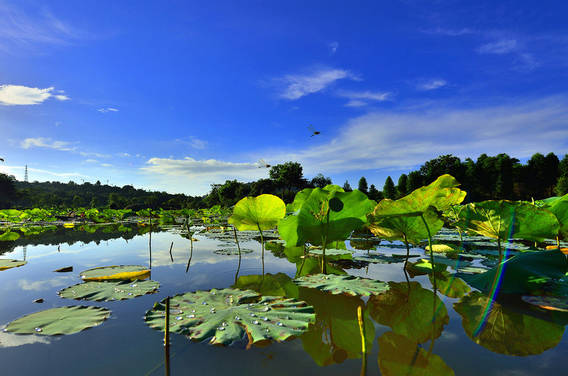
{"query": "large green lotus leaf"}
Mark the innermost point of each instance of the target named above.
(505, 331)
(226, 315)
(107, 291)
(115, 272)
(346, 211)
(269, 285)
(400, 220)
(410, 310)
(441, 194)
(506, 220)
(62, 320)
(9, 236)
(301, 196)
(450, 285)
(343, 284)
(559, 207)
(399, 355)
(521, 274)
(9, 263)
(335, 335)
(252, 213)
(423, 267)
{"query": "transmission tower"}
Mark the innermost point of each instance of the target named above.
(26, 174)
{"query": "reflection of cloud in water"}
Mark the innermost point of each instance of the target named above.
(448, 336)
(28, 285)
(14, 340)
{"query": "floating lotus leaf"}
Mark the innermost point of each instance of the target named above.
(325, 216)
(226, 315)
(252, 213)
(450, 285)
(551, 303)
(383, 259)
(334, 337)
(62, 320)
(107, 290)
(399, 355)
(342, 253)
(364, 244)
(269, 285)
(343, 284)
(505, 220)
(505, 331)
(9, 263)
(232, 251)
(410, 310)
(442, 248)
(521, 274)
(424, 266)
(115, 272)
(9, 236)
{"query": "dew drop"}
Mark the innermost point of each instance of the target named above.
(237, 318)
(265, 318)
(179, 318)
(212, 310)
(130, 294)
(190, 316)
(221, 328)
(279, 323)
(266, 309)
(252, 315)
(204, 303)
(39, 330)
(255, 322)
(134, 285)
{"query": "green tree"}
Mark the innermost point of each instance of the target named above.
(362, 186)
(374, 193)
(7, 190)
(289, 176)
(402, 185)
(347, 186)
(389, 191)
(414, 181)
(77, 201)
(320, 181)
(444, 164)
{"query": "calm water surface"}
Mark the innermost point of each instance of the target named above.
(514, 340)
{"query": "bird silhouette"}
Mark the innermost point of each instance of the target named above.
(314, 132)
(262, 163)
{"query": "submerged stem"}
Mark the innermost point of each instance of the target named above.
(361, 321)
(239, 249)
(167, 338)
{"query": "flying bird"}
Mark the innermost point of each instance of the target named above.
(262, 163)
(2, 159)
(314, 132)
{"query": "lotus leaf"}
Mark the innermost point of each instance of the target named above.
(9, 263)
(410, 310)
(505, 220)
(559, 207)
(442, 194)
(382, 259)
(343, 284)
(115, 272)
(62, 320)
(442, 248)
(262, 212)
(399, 355)
(269, 285)
(107, 290)
(344, 253)
(319, 221)
(521, 274)
(232, 251)
(505, 331)
(423, 266)
(9, 236)
(551, 303)
(226, 315)
(450, 285)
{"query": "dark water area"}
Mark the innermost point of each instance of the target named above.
(409, 330)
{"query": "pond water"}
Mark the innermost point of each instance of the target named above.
(471, 335)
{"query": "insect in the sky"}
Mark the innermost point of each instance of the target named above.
(2, 159)
(262, 163)
(314, 132)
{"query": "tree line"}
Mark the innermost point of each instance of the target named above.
(486, 178)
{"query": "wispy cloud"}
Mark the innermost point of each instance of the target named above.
(450, 32)
(47, 143)
(431, 84)
(298, 85)
(193, 142)
(500, 47)
(11, 95)
(333, 46)
(361, 98)
(18, 171)
(405, 139)
(104, 110)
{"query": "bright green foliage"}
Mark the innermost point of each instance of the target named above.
(450, 285)
(399, 355)
(410, 310)
(262, 212)
(107, 291)
(226, 315)
(503, 330)
(443, 248)
(559, 207)
(325, 216)
(343, 284)
(505, 220)
(9, 236)
(269, 285)
(301, 196)
(116, 272)
(528, 271)
(424, 266)
(62, 320)
(9, 263)
(334, 337)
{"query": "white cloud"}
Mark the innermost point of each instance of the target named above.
(500, 47)
(124, 155)
(333, 46)
(432, 84)
(399, 140)
(93, 154)
(359, 98)
(104, 110)
(42, 142)
(298, 85)
(91, 161)
(28, 285)
(15, 340)
(193, 142)
(11, 95)
(450, 32)
(106, 165)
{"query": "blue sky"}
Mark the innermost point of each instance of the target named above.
(177, 95)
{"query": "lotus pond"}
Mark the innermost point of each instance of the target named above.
(263, 305)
